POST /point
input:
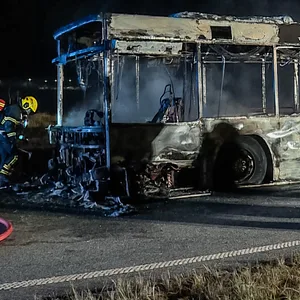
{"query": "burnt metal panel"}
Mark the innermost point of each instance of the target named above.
(221, 130)
(156, 142)
(286, 161)
(259, 34)
(153, 28)
(248, 19)
(140, 27)
(289, 161)
(183, 143)
(148, 48)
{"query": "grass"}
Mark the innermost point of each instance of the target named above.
(275, 280)
(36, 131)
(41, 120)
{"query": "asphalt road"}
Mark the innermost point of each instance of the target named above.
(47, 244)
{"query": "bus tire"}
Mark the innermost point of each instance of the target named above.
(242, 161)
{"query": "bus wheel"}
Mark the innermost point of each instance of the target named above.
(241, 162)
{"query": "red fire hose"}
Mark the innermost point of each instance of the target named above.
(5, 229)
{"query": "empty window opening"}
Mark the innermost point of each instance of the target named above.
(221, 32)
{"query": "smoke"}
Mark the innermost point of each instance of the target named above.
(78, 102)
(75, 114)
(154, 76)
(242, 89)
(235, 90)
(240, 93)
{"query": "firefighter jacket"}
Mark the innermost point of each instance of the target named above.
(11, 122)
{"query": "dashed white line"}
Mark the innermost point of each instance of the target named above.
(146, 267)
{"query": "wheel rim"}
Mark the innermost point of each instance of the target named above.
(243, 166)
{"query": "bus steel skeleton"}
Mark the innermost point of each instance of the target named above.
(169, 116)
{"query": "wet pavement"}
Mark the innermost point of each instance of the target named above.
(46, 244)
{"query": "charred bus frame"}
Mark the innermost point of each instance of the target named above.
(247, 149)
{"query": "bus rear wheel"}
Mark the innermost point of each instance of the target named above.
(240, 162)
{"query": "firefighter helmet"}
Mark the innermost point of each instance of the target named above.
(29, 103)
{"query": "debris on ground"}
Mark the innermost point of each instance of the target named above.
(44, 192)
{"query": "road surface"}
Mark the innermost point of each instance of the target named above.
(46, 244)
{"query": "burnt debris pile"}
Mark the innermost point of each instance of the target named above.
(77, 177)
(57, 194)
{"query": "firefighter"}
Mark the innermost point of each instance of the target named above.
(13, 120)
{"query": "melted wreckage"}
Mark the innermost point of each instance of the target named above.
(191, 101)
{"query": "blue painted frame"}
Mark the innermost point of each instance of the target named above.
(63, 58)
(74, 25)
(175, 15)
(90, 51)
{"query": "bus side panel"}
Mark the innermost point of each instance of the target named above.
(156, 142)
(186, 143)
(216, 132)
(289, 148)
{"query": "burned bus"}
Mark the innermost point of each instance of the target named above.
(190, 100)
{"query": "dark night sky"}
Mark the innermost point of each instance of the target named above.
(27, 46)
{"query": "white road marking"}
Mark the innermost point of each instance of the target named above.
(146, 267)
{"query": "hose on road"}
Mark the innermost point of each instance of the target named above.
(6, 229)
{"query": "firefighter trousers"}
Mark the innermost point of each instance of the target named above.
(8, 156)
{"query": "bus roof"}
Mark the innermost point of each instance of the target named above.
(248, 19)
(196, 27)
